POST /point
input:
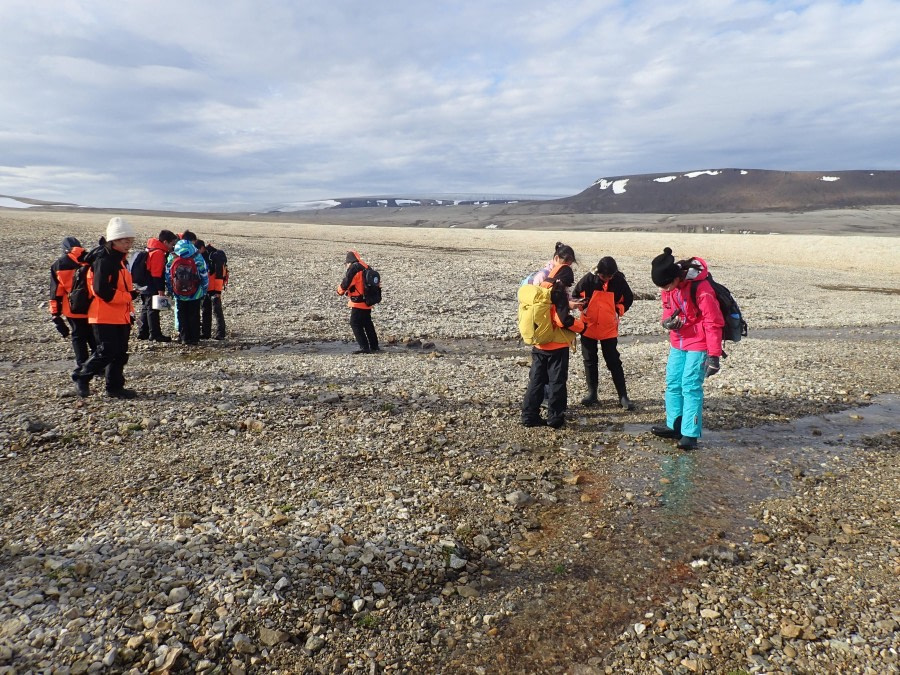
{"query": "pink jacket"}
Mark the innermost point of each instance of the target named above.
(703, 322)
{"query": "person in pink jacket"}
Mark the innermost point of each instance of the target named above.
(695, 339)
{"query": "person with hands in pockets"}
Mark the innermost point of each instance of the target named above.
(695, 343)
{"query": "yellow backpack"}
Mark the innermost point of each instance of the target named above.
(535, 322)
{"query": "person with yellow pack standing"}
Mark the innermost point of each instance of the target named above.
(607, 296)
(62, 273)
(360, 299)
(547, 323)
(111, 311)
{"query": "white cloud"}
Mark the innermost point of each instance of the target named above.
(161, 102)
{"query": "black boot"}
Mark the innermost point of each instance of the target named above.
(591, 377)
(665, 432)
(687, 443)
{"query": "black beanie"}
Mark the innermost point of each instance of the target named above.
(351, 257)
(69, 243)
(663, 269)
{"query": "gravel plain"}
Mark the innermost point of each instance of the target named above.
(274, 504)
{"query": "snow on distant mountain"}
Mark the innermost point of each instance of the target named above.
(733, 190)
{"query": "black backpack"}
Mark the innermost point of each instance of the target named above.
(80, 296)
(735, 327)
(140, 275)
(371, 286)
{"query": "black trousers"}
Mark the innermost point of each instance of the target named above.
(111, 355)
(610, 351)
(148, 322)
(84, 344)
(189, 320)
(550, 369)
(363, 329)
(212, 306)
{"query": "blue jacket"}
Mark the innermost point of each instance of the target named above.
(186, 249)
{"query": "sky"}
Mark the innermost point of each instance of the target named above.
(244, 104)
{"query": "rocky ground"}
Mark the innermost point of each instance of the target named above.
(273, 504)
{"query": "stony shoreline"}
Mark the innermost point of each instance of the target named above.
(273, 504)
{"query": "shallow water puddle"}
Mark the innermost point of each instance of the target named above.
(652, 516)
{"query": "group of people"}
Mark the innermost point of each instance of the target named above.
(593, 310)
(194, 274)
(182, 267)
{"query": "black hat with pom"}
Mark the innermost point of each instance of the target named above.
(664, 270)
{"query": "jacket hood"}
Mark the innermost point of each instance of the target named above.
(153, 242)
(694, 274)
(352, 257)
(69, 243)
(185, 249)
(77, 253)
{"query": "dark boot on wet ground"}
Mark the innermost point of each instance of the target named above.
(626, 403)
(687, 443)
(663, 431)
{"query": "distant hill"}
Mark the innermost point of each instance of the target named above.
(733, 191)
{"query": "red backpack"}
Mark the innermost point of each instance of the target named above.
(184, 277)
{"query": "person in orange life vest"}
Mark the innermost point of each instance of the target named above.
(695, 343)
(148, 321)
(607, 297)
(550, 361)
(111, 312)
(61, 274)
(216, 263)
(360, 312)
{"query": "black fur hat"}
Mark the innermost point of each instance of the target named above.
(663, 269)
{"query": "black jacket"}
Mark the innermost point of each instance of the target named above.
(107, 264)
(620, 289)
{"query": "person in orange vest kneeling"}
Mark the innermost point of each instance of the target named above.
(111, 311)
(550, 353)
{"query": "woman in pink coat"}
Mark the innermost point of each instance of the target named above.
(694, 322)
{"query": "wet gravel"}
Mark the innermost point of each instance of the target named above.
(272, 503)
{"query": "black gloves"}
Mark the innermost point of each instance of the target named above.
(673, 321)
(712, 365)
(61, 325)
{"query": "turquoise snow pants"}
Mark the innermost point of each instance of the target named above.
(685, 372)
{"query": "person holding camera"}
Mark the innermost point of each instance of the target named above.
(695, 343)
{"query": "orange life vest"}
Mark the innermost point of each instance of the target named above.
(120, 309)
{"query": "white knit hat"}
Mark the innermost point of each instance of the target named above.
(119, 228)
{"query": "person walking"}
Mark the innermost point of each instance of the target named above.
(607, 297)
(550, 360)
(352, 285)
(694, 321)
(148, 323)
(111, 311)
(187, 279)
(62, 272)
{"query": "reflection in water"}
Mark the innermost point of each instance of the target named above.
(678, 484)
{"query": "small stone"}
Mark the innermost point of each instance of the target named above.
(183, 520)
(271, 637)
(243, 644)
(313, 644)
(467, 591)
(519, 498)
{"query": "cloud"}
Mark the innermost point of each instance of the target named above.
(237, 104)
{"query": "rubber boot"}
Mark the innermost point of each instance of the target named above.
(591, 377)
(665, 432)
